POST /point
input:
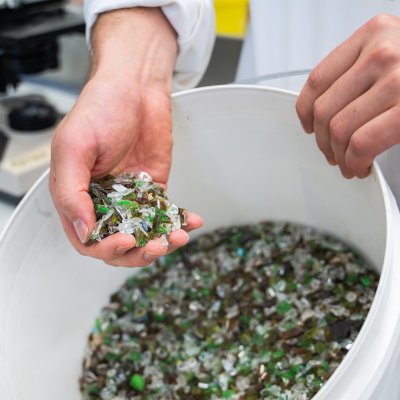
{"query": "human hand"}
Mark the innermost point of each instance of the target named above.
(121, 122)
(351, 100)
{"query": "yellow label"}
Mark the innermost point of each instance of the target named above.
(232, 16)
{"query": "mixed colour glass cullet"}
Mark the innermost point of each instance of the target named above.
(133, 204)
(263, 311)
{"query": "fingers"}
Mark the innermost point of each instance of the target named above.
(140, 257)
(69, 183)
(180, 238)
(343, 91)
(371, 140)
(107, 249)
(353, 91)
(364, 108)
(194, 221)
(323, 76)
(177, 239)
(119, 249)
(74, 205)
(351, 102)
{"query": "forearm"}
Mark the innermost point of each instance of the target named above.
(136, 45)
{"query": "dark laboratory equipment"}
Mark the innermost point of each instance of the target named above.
(29, 33)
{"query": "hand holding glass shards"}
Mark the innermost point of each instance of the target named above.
(134, 204)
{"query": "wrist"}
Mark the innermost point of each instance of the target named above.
(137, 47)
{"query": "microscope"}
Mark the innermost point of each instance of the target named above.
(29, 33)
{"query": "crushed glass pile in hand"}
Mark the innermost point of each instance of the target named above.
(133, 204)
(264, 311)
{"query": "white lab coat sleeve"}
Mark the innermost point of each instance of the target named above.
(194, 22)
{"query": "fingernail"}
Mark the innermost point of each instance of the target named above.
(122, 250)
(81, 230)
(150, 256)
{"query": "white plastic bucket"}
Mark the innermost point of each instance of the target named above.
(240, 156)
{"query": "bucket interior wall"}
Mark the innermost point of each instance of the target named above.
(240, 156)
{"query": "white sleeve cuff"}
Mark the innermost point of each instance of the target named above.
(193, 20)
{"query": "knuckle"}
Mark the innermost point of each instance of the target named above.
(315, 78)
(338, 129)
(392, 82)
(358, 146)
(319, 110)
(378, 23)
(386, 53)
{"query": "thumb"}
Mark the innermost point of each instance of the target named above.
(69, 185)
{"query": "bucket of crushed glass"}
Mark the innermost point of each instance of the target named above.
(240, 156)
